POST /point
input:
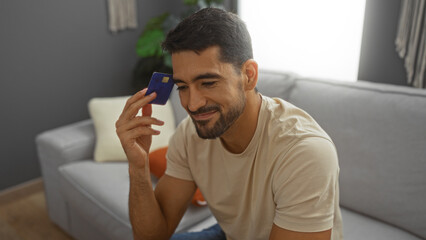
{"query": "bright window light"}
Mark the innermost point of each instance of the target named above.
(312, 38)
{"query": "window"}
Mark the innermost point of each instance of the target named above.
(309, 37)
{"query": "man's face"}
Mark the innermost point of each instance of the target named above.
(211, 91)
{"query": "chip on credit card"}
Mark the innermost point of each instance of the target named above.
(162, 84)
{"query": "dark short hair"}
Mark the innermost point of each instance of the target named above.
(212, 27)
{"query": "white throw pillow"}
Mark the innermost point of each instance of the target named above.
(105, 112)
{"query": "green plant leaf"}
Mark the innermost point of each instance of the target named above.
(149, 44)
(156, 22)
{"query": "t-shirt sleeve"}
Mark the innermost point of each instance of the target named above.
(305, 186)
(177, 157)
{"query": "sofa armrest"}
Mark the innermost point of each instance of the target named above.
(67, 144)
(56, 147)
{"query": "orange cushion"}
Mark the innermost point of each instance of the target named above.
(158, 164)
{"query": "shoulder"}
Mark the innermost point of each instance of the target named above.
(178, 143)
(305, 186)
(302, 148)
(286, 121)
(308, 158)
(315, 151)
(177, 153)
(184, 130)
(184, 126)
(186, 140)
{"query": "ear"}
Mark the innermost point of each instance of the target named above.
(250, 73)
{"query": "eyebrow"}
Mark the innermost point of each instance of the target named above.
(200, 77)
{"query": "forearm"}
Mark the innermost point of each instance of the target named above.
(146, 217)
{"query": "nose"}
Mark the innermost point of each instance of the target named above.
(196, 100)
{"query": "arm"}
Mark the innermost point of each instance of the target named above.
(278, 233)
(306, 200)
(153, 215)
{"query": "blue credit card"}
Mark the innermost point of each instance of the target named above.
(162, 84)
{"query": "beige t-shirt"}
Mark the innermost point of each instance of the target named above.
(288, 174)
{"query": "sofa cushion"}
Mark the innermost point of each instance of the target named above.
(105, 112)
(380, 135)
(100, 190)
(357, 226)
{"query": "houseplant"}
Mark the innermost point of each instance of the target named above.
(148, 47)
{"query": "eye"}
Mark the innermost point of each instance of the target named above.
(180, 88)
(209, 84)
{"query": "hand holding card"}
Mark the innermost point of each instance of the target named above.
(162, 84)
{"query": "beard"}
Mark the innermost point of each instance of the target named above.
(225, 120)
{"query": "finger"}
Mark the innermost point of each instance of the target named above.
(137, 132)
(139, 121)
(147, 110)
(135, 98)
(132, 110)
(131, 100)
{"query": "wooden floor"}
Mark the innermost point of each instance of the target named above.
(23, 215)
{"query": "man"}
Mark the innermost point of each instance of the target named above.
(265, 167)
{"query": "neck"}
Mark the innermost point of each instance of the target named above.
(238, 136)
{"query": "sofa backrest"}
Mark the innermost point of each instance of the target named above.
(380, 134)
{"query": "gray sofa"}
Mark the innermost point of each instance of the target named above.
(379, 131)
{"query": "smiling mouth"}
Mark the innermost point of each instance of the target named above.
(203, 116)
